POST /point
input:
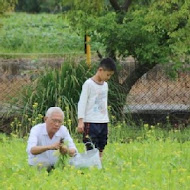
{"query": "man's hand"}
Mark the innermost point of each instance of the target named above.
(55, 146)
(63, 149)
(80, 128)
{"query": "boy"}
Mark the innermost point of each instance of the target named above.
(92, 106)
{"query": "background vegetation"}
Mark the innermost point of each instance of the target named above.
(42, 33)
(128, 31)
(152, 32)
(142, 157)
(141, 165)
(61, 87)
(7, 5)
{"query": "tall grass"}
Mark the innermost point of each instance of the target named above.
(53, 87)
(61, 87)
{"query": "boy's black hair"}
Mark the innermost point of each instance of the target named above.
(108, 64)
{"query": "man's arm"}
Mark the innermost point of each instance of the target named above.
(69, 151)
(40, 149)
(68, 147)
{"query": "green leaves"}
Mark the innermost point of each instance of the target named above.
(62, 87)
(42, 33)
(139, 164)
(152, 32)
(56, 87)
(7, 5)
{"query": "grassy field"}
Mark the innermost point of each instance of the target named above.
(146, 165)
(147, 159)
(39, 33)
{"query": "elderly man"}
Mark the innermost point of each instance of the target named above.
(46, 137)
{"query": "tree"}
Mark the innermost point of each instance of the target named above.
(36, 6)
(152, 32)
(7, 5)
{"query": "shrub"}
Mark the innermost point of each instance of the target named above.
(62, 87)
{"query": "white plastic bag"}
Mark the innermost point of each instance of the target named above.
(87, 159)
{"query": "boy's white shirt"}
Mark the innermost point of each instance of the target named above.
(92, 106)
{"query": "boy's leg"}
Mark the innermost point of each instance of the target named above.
(97, 134)
(103, 136)
(91, 132)
(86, 136)
(101, 155)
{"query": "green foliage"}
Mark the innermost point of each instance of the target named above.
(116, 98)
(87, 6)
(43, 33)
(36, 6)
(40, 33)
(80, 12)
(62, 158)
(126, 132)
(32, 6)
(51, 6)
(56, 87)
(172, 28)
(62, 87)
(153, 33)
(7, 5)
(136, 165)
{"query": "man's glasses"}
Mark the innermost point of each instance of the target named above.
(57, 121)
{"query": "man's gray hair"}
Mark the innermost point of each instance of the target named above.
(52, 110)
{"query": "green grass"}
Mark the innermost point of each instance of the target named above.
(147, 165)
(39, 33)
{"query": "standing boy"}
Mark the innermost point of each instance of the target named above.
(92, 107)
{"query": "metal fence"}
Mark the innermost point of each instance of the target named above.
(156, 96)
(153, 97)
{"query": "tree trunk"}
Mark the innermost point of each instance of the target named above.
(118, 8)
(115, 5)
(141, 69)
(138, 72)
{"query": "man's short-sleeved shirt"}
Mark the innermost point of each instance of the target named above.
(39, 137)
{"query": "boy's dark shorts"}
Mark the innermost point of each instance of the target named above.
(97, 133)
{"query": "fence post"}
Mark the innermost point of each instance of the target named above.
(87, 50)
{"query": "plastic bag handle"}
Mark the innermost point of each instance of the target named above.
(75, 154)
(90, 143)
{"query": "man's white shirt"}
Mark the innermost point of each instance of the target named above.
(39, 137)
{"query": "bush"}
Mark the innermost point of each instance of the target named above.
(61, 87)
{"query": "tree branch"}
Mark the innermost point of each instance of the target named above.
(115, 5)
(139, 71)
(126, 5)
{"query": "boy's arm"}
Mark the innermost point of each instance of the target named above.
(82, 107)
(80, 127)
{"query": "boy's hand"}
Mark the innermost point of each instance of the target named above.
(80, 128)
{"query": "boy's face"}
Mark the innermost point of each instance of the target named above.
(104, 74)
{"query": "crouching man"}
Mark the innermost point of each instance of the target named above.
(45, 138)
